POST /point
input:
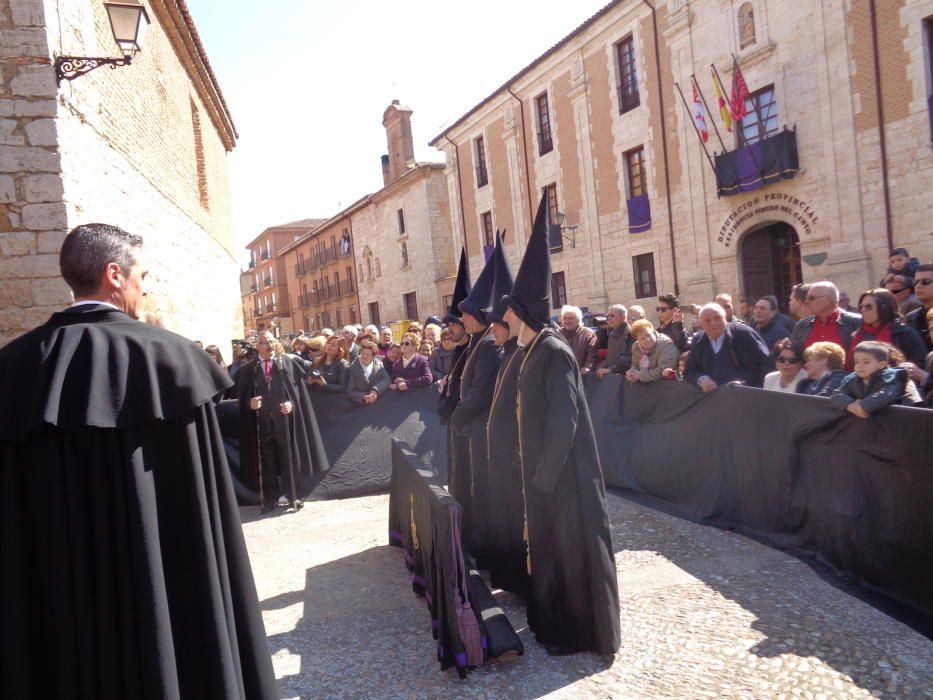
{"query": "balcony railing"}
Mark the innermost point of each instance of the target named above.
(267, 281)
(756, 165)
(257, 311)
(252, 264)
(265, 255)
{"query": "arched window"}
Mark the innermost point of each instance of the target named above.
(746, 25)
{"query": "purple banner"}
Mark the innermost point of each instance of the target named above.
(639, 214)
(487, 251)
(930, 115)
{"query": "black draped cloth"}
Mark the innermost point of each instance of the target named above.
(573, 599)
(506, 511)
(125, 573)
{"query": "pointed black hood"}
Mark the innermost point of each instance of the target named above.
(461, 291)
(502, 285)
(531, 292)
(479, 302)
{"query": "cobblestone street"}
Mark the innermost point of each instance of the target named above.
(705, 613)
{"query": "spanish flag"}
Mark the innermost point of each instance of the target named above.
(721, 100)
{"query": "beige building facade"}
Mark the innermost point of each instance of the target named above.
(845, 158)
(143, 147)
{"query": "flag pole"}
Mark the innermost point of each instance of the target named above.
(736, 125)
(695, 129)
(735, 71)
(696, 86)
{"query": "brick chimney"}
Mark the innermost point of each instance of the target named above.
(397, 122)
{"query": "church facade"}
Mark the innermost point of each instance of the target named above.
(830, 170)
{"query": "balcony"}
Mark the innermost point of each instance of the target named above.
(757, 165)
(304, 300)
(301, 270)
(265, 255)
(252, 264)
(253, 288)
(257, 312)
(267, 281)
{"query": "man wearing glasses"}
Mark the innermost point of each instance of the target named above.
(670, 320)
(923, 279)
(826, 322)
(903, 290)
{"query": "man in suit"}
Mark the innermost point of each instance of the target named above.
(368, 378)
(725, 352)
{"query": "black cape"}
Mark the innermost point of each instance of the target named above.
(506, 511)
(288, 384)
(573, 599)
(125, 573)
(469, 477)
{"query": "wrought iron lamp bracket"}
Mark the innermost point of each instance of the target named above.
(71, 67)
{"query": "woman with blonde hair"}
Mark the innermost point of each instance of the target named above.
(410, 369)
(824, 363)
(652, 353)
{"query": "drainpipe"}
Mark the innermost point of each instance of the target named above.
(359, 306)
(466, 247)
(876, 59)
(667, 176)
(521, 111)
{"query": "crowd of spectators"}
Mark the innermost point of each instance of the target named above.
(822, 347)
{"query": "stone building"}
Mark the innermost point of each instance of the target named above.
(398, 240)
(264, 284)
(830, 170)
(143, 146)
(321, 289)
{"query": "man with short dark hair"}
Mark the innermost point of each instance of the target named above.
(903, 290)
(923, 285)
(770, 323)
(826, 322)
(124, 563)
(725, 301)
(797, 301)
(670, 321)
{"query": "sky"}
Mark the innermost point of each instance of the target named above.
(307, 82)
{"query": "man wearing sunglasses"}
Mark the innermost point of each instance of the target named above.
(923, 281)
(903, 290)
(826, 322)
(670, 320)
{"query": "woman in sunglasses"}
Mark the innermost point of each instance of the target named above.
(880, 321)
(411, 369)
(824, 363)
(789, 363)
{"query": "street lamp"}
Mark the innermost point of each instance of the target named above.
(571, 231)
(128, 22)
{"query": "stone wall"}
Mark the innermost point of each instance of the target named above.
(136, 147)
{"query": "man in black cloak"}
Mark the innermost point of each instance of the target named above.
(450, 385)
(278, 428)
(125, 573)
(506, 505)
(573, 599)
(469, 477)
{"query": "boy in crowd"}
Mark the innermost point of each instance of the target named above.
(874, 384)
(901, 265)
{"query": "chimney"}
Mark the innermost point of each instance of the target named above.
(385, 170)
(397, 122)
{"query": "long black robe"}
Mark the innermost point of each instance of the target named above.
(125, 573)
(573, 599)
(470, 476)
(506, 554)
(458, 447)
(287, 384)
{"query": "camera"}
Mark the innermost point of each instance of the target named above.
(314, 373)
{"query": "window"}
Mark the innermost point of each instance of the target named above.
(928, 25)
(374, 313)
(762, 118)
(746, 16)
(545, 142)
(333, 246)
(345, 242)
(482, 177)
(628, 77)
(337, 289)
(487, 229)
(339, 317)
(635, 169)
(352, 314)
(554, 237)
(405, 262)
(558, 290)
(268, 249)
(411, 306)
(350, 278)
(643, 268)
(378, 268)
(401, 222)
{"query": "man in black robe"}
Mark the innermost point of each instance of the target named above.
(469, 479)
(573, 598)
(278, 428)
(506, 509)
(125, 573)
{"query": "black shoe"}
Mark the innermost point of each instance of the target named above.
(266, 508)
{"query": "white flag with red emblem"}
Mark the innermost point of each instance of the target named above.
(699, 117)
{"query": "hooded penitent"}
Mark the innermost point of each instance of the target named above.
(502, 285)
(461, 290)
(479, 301)
(531, 292)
